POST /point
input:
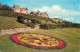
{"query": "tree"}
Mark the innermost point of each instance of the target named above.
(6, 7)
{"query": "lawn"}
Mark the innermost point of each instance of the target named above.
(9, 22)
(70, 35)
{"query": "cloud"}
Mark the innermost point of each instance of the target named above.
(57, 10)
(56, 7)
(56, 17)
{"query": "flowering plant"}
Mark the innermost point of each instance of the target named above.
(39, 41)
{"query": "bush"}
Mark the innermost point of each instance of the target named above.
(69, 25)
(76, 25)
(20, 19)
(34, 21)
(30, 24)
(33, 17)
(6, 7)
(66, 24)
(48, 26)
(38, 21)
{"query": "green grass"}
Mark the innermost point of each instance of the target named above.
(48, 22)
(13, 14)
(70, 35)
(9, 22)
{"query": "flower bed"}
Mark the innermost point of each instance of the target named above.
(38, 41)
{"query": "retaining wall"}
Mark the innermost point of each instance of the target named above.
(16, 30)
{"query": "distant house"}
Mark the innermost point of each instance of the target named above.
(23, 10)
(16, 8)
(38, 13)
(57, 20)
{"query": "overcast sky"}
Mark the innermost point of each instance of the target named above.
(54, 8)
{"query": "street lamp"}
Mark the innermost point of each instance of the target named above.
(70, 19)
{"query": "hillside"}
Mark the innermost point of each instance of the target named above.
(66, 31)
(13, 14)
(9, 22)
(70, 35)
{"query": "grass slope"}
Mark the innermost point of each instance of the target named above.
(70, 35)
(9, 22)
(13, 14)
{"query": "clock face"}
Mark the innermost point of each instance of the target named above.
(37, 41)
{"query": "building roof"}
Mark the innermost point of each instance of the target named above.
(21, 9)
(16, 6)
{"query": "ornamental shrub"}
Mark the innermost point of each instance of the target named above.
(35, 21)
(67, 24)
(38, 21)
(48, 26)
(30, 24)
(76, 25)
(20, 19)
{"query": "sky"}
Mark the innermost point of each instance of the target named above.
(54, 8)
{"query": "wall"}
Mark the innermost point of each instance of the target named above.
(16, 30)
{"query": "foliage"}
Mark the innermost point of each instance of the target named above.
(48, 26)
(33, 17)
(20, 19)
(30, 24)
(5, 7)
(76, 25)
(69, 25)
(6, 10)
(34, 21)
(66, 25)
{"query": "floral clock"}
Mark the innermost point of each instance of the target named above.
(38, 41)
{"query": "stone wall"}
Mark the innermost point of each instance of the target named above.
(16, 30)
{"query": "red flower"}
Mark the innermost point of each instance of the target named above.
(61, 44)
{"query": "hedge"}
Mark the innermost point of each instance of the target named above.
(48, 26)
(76, 25)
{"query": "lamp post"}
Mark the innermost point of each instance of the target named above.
(70, 19)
